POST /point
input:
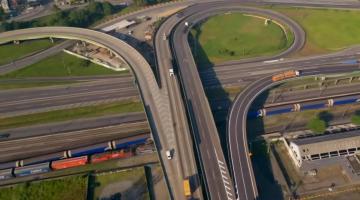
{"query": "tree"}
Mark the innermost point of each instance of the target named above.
(3, 15)
(108, 9)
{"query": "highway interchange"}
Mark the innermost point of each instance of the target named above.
(163, 98)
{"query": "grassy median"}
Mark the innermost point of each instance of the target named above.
(236, 36)
(10, 52)
(61, 65)
(327, 30)
(71, 114)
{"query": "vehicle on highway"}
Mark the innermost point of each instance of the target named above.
(285, 75)
(169, 154)
(187, 188)
(171, 72)
(164, 36)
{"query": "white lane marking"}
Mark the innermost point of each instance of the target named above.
(223, 177)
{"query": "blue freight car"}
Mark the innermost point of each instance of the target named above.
(313, 105)
(350, 62)
(6, 174)
(343, 101)
(44, 158)
(97, 148)
(253, 114)
(8, 165)
(32, 169)
(129, 142)
(279, 110)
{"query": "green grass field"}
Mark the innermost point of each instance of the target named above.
(326, 29)
(131, 185)
(61, 65)
(69, 188)
(11, 52)
(71, 114)
(235, 36)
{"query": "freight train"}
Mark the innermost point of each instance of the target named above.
(311, 105)
(122, 148)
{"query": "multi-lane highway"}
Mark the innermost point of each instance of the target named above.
(215, 171)
(163, 104)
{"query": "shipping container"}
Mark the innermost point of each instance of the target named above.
(32, 169)
(93, 149)
(350, 62)
(346, 100)
(279, 110)
(313, 105)
(7, 165)
(6, 174)
(96, 158)
(252, 114)
(44, 158)
(69, 162)
(130, 142)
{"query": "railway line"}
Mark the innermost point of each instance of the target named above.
(202, 124)
(33, 146)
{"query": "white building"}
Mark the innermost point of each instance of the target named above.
(324, 146)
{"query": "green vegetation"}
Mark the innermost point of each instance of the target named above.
(356, 118)
(239, 37)
(317, 125)
(61, 65)
(129, 182)
(23, 49)
(149, 2)
(69, 188)
(76, 17)
(71, 114)
(326, 29)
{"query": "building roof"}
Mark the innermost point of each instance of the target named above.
(328, 143)
(328, 138)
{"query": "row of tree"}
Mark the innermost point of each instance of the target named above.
(149, 2)
(76, 17)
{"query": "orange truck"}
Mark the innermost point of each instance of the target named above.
(187, 189)
(285, 75)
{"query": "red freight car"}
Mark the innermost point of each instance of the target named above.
(110, 155)
(69, 162)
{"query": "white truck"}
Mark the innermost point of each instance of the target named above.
(168, 154)
(171, 72)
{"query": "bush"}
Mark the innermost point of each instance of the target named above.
(317, 125)
(355, 119)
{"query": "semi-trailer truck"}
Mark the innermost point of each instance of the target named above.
(285, 75)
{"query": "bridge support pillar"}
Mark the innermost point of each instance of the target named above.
(16, 41)
(51, 39)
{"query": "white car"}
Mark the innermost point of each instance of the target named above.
(164, 36)
(168, 154)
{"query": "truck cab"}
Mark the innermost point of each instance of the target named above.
(168, 154)
(171, 72)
